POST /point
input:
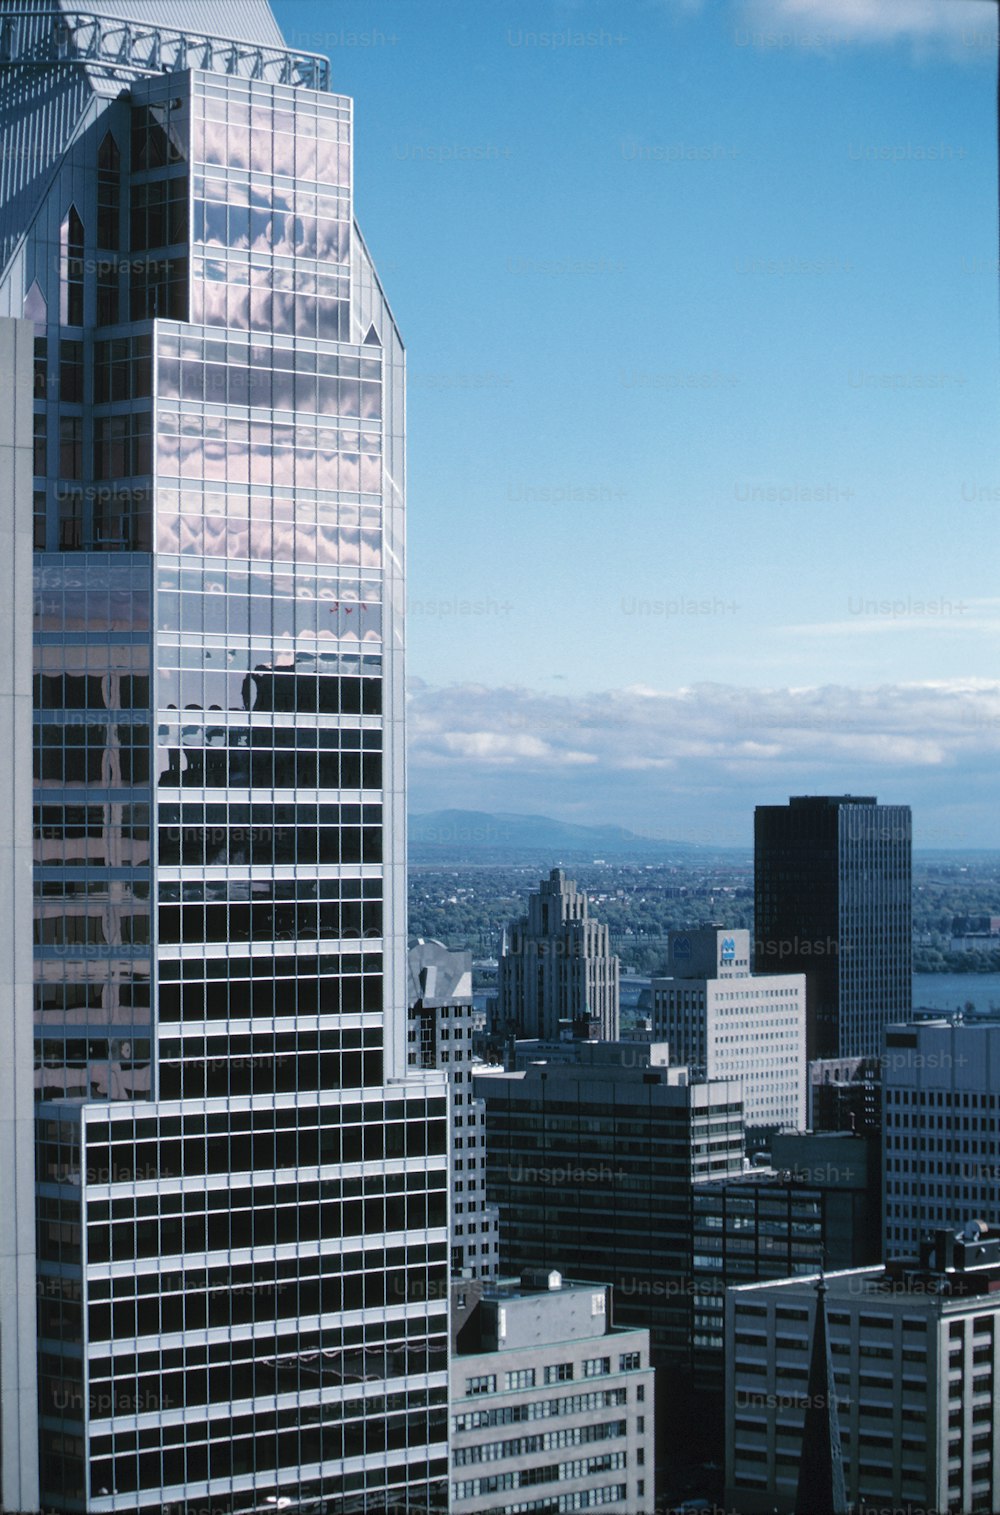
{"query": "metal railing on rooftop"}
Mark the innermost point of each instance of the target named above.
(41, 38)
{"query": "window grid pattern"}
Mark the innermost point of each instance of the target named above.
(256, 1214)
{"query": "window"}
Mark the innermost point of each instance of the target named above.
(559, 1372)
(108, 293)
(158, 134)
(71, 522)
(159, 213)
(122, 369)
(108, 193)
(71, 281)
(38, 512)
(520, 1378)
(483, 1383)
(628, 1362)
(71, 371)
(122, 446)
(71, 447)
(35, 308)
(159, 288)
(593, 1367)
(122, 520)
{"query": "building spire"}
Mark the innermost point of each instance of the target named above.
(821, 1489)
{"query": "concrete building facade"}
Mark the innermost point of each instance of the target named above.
(557, 973)
(725, 1023)
(941, 1137)
(916, 1354)
(552, 1404)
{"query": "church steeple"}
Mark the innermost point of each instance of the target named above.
(821, 1489)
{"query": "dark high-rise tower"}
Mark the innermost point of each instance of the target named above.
(832, 881)
(241, 1241)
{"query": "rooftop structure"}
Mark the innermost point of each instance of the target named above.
(547, 1392)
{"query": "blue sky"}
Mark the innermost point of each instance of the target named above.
(701, 310)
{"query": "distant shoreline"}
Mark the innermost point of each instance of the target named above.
(983, 972)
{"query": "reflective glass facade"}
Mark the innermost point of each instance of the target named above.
(242, 1197)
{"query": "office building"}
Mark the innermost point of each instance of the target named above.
(725, 1023)
(235, 1170)
(832, 880)
(845, 1094)
(846, 1168)
(441, 1036)
(942, 1129)
(816, 1206)
(914, 1350)
(595, 1159)
(557, 974)
(975, 933)
(626, 1053)
(552, 1404)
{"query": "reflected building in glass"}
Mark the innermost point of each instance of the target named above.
(207, 459)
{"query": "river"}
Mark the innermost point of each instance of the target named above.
(951, 991)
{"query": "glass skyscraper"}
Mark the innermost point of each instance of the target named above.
(832, 900)
(241, 1237)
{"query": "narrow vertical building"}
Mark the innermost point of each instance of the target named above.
(557, 974)
(242, 1209)
(441, 1016)
(832, 882)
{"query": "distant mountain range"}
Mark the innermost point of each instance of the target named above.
(484, 836)
(476, 833)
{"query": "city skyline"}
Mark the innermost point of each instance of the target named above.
(298, 1110)
(561, 668)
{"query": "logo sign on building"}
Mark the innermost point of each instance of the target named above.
(682, 946)
(728, 953)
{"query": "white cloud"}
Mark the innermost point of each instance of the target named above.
(694, 760)
(626, 728)
(507, 747)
